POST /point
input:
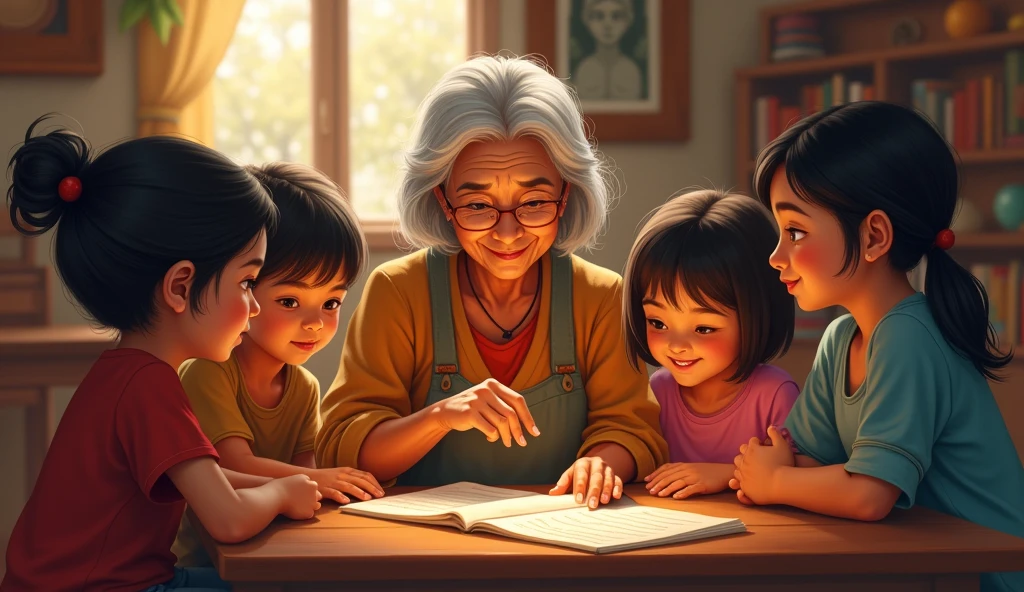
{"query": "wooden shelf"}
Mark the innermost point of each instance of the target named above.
(986, 240)
(816, 6)
(937, 49)
(995, 156)
(809, 66)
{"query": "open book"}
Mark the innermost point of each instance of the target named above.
(550, 519)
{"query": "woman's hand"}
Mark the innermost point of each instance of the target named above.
(757, 465)
(592, 477)
(681, 480)
(492, 408)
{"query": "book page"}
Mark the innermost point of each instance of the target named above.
(436, 503)
(533, 503)
(612, 528)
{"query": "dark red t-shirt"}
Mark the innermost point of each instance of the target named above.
(103, 515)
(505, 359)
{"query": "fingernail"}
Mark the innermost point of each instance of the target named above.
(579, 498)
(655, 490)
(522, 441)
(535, 430)
(593, 502)
(647, 478)
(616, 492)
(604, 498)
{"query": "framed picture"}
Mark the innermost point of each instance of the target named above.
(51, 37)
(627, 60)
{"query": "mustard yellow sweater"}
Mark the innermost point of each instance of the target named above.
(387, 361)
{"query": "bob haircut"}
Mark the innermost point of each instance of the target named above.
(145, 204)
(860, 157)
(501, 99)
(318, 234)
(715, 245)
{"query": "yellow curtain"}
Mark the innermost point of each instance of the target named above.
(174, 92)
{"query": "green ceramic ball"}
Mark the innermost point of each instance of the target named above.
(1009, 206)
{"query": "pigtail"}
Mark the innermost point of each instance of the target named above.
(960, 308)
(37, 170)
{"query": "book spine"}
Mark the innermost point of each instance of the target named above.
(986, 112)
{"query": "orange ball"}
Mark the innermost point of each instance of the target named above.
(967, 18)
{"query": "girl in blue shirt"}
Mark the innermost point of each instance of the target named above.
(896, 409)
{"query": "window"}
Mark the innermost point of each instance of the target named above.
(262, 88)
(337, 84)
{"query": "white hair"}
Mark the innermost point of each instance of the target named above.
(498, 98)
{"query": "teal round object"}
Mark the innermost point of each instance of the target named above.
(1009, 206)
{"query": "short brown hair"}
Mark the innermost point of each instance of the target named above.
(717, 246)
(317, 234)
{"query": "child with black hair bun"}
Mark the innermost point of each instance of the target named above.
(160, 239)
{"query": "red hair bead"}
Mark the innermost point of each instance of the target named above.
(70, 188)
(945, 239)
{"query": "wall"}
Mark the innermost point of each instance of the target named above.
(723, 37)
(104, 108)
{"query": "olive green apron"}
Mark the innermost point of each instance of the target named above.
(558, 404)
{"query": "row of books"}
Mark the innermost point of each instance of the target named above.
(771, 117)
(982, 113)
(978, 113)
(1005, 287)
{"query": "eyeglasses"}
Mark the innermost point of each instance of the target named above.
(477, 217)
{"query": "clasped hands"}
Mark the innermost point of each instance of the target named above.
(502, 414)
(757, 468)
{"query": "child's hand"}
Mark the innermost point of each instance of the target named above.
(757, 466)
(300, 498)
(681, 480)
(335, 483)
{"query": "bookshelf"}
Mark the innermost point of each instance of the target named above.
(860, 59)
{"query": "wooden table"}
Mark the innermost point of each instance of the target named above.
(784, 550)
(33, 360)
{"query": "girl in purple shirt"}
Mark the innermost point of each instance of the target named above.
(701, 302)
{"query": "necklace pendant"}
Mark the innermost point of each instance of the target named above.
(506, 335)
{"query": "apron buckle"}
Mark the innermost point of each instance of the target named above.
(567, 382)
(446, 383)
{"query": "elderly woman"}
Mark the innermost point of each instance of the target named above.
(493, 355)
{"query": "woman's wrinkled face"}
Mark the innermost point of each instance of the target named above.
(504, 175)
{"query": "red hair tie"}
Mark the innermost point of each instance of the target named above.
(944, 239)
(70, 188)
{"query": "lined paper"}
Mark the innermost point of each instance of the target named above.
(608, 527)
(438, 501)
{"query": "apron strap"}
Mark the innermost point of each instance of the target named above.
(563, 342)
(445, 359)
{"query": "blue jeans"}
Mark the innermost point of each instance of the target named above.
(192, 579)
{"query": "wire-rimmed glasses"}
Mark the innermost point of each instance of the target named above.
(477, 217)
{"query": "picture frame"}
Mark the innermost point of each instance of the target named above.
(627, 60)
(51, 37)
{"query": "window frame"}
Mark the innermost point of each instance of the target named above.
(330, 90)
